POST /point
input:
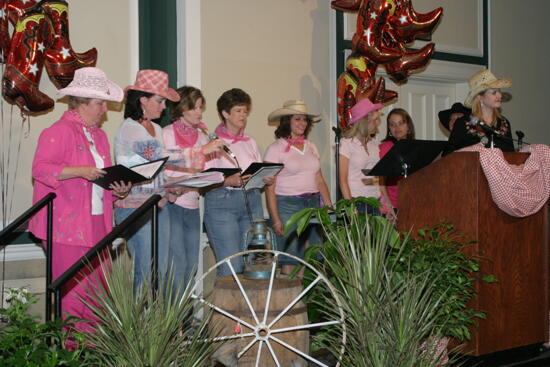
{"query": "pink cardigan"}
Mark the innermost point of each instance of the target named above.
(61, 145)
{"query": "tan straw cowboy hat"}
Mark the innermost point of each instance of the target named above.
(481, 81)
(292, 107)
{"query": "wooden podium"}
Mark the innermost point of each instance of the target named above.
(455, 188)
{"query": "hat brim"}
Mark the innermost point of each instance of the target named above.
(445, 115)
(373, 107)
(114, 92)
(494, 84)
(168, 93)
(275, 116)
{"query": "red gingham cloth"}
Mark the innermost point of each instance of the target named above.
(518, 190)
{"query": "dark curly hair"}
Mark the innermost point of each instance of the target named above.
(283, 130)
(188, 99)
(231, 98)
(132, 108)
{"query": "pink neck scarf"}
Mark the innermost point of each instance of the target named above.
(295, 141)
(75, 116)
(222, 132)
(187, 135)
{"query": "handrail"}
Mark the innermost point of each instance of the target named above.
(6, 232)
(150, 204)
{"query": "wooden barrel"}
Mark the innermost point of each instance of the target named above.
(227, 296)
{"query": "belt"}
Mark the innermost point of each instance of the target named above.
(306, 195)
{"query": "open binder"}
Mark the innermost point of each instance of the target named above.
(135, 174)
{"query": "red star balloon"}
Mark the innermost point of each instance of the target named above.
(384, 28)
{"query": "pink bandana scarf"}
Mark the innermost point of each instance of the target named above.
(186, 135)
(222, 132)
(75, 116)
(295, 141)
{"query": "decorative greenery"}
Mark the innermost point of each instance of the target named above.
(26, 342)
(146, 328)
(439, 249)
(389, 314)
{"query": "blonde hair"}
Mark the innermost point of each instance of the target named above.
(476, 110)
(360, 129)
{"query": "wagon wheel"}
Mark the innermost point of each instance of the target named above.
(257, 328)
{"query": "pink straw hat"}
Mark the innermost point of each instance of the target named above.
(362, 109)
(155, 82)
(91, 82)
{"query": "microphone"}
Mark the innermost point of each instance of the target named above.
(474, 121)
(213, 136)
(520, 135)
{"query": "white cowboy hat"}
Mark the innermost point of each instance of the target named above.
(292, 107)
(91, 82)
(481, 81)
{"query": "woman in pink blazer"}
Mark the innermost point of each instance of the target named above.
(69, 156)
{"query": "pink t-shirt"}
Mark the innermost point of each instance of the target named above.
(359, 159)
(391, 181)
(188, 200)
(246, 152)
(301, 167)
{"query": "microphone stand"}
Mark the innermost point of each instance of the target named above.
(520, 135)
(491, 133)
(337, 135)
(245, 194)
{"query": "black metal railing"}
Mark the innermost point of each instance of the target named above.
(93, 253)
(23, 218)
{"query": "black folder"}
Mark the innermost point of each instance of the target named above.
(226, 171)
(135, 174)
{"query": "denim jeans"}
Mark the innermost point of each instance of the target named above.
(185, 243)
(139, 243)
(292, 244)
(227, 221)
(363, 208)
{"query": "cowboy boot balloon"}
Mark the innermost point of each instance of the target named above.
(25, 62)
(367, 40)
(407, 24)
(11, 11)
(61, 59)
(413, 60)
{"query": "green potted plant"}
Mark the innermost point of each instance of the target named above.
(366, 253)
(389, 315)
(147, 327)
(440, 249)
(25, 341)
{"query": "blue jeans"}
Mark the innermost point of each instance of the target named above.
(185, 243)
(227, 221)
(292, 244)
(363, 208)
(138, 238)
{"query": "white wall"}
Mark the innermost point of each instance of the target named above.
(111, 27)
(519, 50)
(275, 51)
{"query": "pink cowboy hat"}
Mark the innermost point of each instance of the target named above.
(91, 82)
(155, 82)
(362, 109)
